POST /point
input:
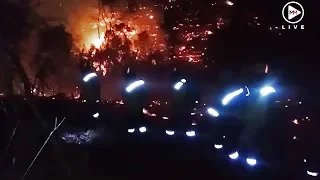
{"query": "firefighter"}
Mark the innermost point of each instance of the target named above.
(178, 91)
(134, 96)
(184, 96)
(256, 105)
(244, 104)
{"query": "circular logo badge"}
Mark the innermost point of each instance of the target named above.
(293, 12)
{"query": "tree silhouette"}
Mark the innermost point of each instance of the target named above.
(15, 26)
(54, 53)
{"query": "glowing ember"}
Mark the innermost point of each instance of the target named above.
(108, 37)
(111, 37)
(194, 41)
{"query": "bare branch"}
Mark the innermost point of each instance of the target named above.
(12, 136)
(13, 133)
(55, 122)
(59, 124)
(44, 125)
(44, 144)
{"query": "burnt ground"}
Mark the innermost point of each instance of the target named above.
(118, 156)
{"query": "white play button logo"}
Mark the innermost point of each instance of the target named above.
(293, 12)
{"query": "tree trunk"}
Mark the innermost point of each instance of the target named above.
(9, 84)
(6, 74)
(24, 77)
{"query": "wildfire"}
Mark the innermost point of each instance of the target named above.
(194, 38)
(98, 41)
(114, 37)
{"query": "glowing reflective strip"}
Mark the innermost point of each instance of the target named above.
(230, 96)
(89, 76)
(134, 85)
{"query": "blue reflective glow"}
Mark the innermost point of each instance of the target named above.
(96, 115)
(234, 155)
(134, 85)
(218, 146)
(170, 133)
(142, 129)
(248, 91)
(89, 76)
(131, 130)
(230, 96)
(267, 90)
(314, 174)
(251, 161)
(213, 112)
(179, 84)
(190, 133)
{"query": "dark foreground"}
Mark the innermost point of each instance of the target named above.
(143, 159)
(126, 156)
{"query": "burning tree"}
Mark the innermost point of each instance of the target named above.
(19, 46)
(115, 37)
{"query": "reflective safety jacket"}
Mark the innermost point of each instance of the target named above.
(246, 102)
(137, 97)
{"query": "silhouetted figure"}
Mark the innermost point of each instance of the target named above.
(135, 98)
(178, 94)
(245, 114)
(184, 97)
(255, 105)
(90, 85)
